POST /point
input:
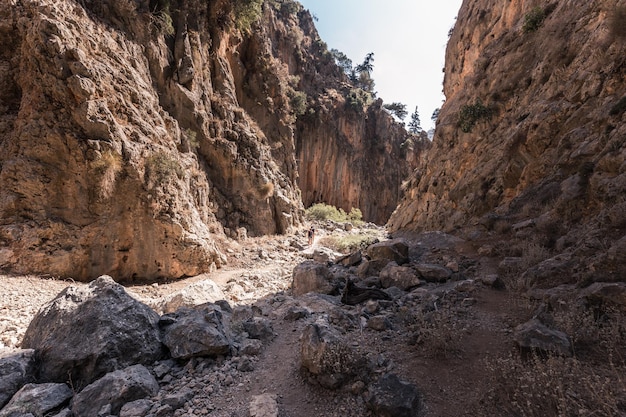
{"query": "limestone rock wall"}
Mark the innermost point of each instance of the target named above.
(124, 150)
(138, 136)
(551, 147)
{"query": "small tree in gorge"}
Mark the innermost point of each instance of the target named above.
(415, 124)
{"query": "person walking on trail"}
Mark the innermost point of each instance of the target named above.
(311, 235)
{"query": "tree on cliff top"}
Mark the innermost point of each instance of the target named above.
(397, 109)
(415, 124)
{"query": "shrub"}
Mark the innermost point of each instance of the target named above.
(321, 211)
(437, 334)
(246, 13)
(552, 387)
(349, 243)
(165, 22)
(470, 114)
(108, 167)
(358, 99)
(297, 101)
(192, 139)
(266, 190)
(162, 167)
(533, 19)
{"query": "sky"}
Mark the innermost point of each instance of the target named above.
(408, 38)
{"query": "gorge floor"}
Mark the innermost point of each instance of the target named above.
(445, 360)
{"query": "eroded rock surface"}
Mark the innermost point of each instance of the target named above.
(530, 140)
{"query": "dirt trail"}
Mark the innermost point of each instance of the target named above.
(450, 376)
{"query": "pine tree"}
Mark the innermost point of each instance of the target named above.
(415, 124)
(397, 109)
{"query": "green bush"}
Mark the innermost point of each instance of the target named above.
(358, 99)
(349, 243)
(192, 138)
(297, 101)
(246, 13)
(321, 211)
(163, 20)
(470, 114)
(534, 19)
(163, 167)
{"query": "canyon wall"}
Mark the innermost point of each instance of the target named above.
(138, 137)
(531, 140)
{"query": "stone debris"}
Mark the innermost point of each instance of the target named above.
(214, 349)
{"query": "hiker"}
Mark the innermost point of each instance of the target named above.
(311, 235)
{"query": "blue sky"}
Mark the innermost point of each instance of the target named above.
(408, 38)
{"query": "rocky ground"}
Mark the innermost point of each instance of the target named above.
(452, 337)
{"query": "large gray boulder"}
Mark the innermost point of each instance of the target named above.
(264, 405)
(606, 294)
(433, 272)
(328, 359)
(115, 389)
(312, 277)
(402, 277)
(16, 370)
(395, 250)
(197, 293)
(392, 397)
(534, 335)
(195, 332)
(88, 331)
(37, 399)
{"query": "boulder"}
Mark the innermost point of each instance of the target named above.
(392, 397)
(551, 272)
(86, 332)
(137, 408)
(178, 399)
(259, 328)
(37, 399)
(433, 272)
(606, 293)
(371, 268)
(353, 294)
(312, 277)
(534, 335)
(328, 359)
(351, 259)
(16, 369)
(322, 255)
(195, 332)
(379, 323)
(201, 292)
(391, 250)
(264, 405)
(491, 280)
(295, 313)
(402, 277)
(115, 389)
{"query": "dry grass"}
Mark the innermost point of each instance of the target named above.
(107, 167)
(266, 190)
(436, 334)
(349, 243)
(530, 254)
(591, 383)
(556, 386)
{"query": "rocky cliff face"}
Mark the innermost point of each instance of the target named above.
(532, 130)
(136, 137)
(350, 152)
